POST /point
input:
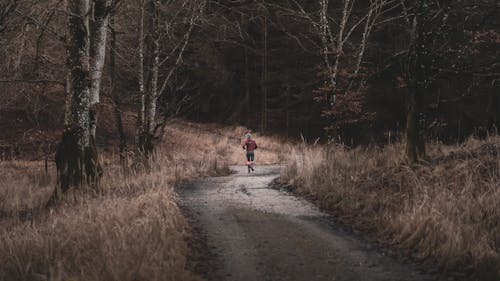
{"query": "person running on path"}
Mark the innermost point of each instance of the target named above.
(250, 146)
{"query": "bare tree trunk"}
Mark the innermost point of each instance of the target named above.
(263, 126)
(339, 49)
(287, 110)
(334, 34)
(324, 30)
(147, 123)
(141, 97)
(146, 143)
(411, 128)
(496, 105)
(330, 45)
(247, 90)
(116, 95)
(153, 94)
(415, 139)
(98, 37)
(76, 156)
(366, 33)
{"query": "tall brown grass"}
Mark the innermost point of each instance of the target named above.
(132, 230)
(446, 211)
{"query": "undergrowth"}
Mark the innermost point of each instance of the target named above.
(445, 211)
(132, 230)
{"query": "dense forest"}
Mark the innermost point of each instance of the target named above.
(384, 114)
(346, 70)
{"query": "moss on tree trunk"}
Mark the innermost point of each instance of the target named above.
(77, 160)
(77, 165)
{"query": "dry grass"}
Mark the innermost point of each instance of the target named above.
(224, 143)
(132, 231)
(446, 212)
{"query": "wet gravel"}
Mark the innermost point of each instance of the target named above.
(248, 231)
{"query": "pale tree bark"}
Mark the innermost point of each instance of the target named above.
(76, 156)
(147, 137)
(369, 23)
(324, 29)
(98, 36)
(329, 44)
(153, 93)
(147, 111)
(141, 95)
(335, 33)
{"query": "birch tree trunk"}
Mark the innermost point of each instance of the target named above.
(324, 30)
(333, 46)
(141, 95)
(153, 93)
(146, 144)
(340, 47)
(76, 157)
(147, 125)
(98, 36)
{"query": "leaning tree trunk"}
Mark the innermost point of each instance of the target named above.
(76, 157)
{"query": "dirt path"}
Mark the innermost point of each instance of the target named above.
(256, 233)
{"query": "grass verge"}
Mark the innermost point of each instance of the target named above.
(446, 212)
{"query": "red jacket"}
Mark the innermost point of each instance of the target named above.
(250, 145)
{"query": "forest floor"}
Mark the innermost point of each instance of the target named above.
(254, 232)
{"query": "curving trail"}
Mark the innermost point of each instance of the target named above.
(256, 233)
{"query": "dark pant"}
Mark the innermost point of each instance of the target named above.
(250, 156)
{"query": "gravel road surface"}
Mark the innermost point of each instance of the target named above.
(255, 233)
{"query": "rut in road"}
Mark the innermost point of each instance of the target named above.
(257, 233)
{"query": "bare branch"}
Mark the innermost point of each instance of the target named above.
(38, 81)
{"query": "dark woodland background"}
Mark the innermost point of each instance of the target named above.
(259, 64)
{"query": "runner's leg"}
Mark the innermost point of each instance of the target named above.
(249, 161)
(252, 156)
